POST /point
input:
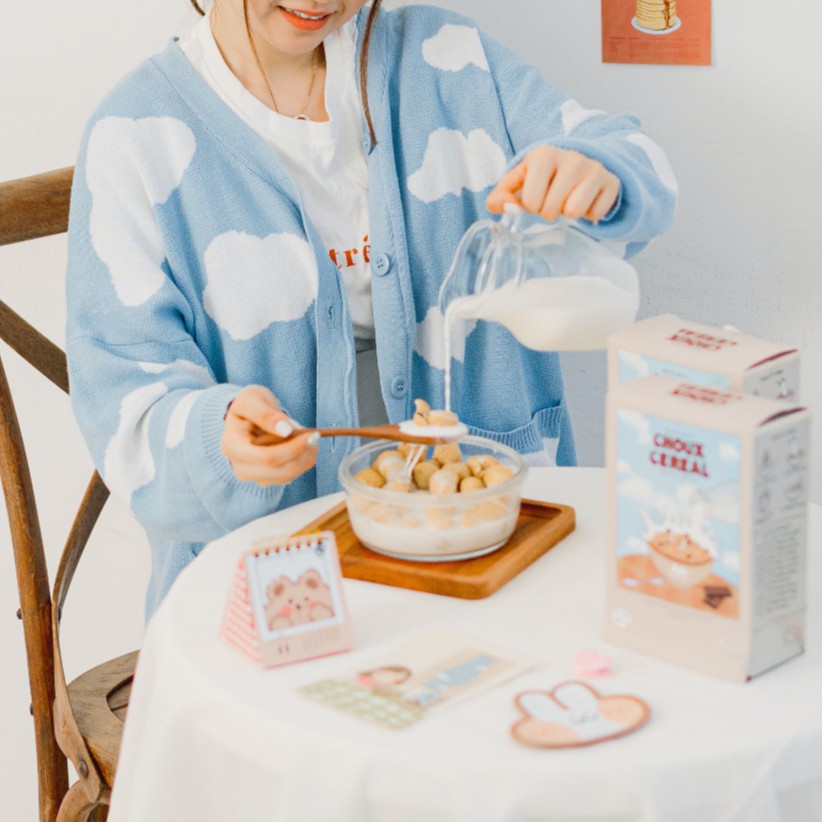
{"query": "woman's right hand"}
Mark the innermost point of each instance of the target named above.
(255, 410)
(557, 182)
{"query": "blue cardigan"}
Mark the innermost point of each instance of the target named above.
(194, 271)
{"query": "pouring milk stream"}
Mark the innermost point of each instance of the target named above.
(550, 285)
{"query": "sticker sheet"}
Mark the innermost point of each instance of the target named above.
(435, 670)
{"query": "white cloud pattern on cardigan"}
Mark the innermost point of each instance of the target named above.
(167, 146)
(545, 458)
(179, 417)
(128, 464)
(256, 281)
(573, 114)
(658, 158)
(454, 48)
(454, 161)
(198, 372)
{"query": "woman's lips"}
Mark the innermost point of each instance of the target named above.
(304, 20)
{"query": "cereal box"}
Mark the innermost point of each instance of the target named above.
(700, 354)
(707, 512)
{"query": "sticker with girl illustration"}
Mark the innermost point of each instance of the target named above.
(434, 670)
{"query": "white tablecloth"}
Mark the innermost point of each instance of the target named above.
(211, 737)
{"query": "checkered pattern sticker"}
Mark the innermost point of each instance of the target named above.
(390, 712)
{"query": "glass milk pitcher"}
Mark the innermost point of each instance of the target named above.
(550, 285)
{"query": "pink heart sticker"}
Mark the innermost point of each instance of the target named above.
(590, 664)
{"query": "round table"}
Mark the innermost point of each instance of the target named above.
(211, 737)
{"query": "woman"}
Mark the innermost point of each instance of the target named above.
(261, 219)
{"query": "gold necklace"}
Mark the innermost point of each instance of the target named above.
(301, 115)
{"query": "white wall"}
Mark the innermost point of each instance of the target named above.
(741, 134)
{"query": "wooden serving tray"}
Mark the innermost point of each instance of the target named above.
(540, 527)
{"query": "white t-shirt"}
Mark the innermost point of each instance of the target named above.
(326, 160)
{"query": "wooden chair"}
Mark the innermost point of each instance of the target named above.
(82, 721)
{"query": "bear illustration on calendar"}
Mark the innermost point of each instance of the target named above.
(286, 602)
(297, 601)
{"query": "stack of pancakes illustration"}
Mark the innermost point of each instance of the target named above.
(657, 15)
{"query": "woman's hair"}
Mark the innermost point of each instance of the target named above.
(366, 42)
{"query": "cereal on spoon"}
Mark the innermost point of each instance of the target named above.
(408, 468)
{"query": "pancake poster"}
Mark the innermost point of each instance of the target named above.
(672, 32)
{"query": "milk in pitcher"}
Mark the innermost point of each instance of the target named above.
(549, 284)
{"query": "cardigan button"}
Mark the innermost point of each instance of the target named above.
(382, 264)
(399, 387)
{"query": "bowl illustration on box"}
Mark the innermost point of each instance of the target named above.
(680, 563)
(679, 559)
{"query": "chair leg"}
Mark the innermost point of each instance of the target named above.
(76, 807)
(99, 814)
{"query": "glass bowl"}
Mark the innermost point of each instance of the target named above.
(428, 527)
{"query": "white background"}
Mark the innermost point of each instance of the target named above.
(742, 136)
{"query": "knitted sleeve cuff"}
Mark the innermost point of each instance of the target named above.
(230, 501)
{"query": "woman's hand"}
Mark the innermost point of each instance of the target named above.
(255, 411)
(554, 182)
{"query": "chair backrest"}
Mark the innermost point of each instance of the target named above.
(32, 208)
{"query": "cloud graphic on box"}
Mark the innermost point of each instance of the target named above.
(256, 281)
(720, 502)
(453, 48)
(730, 559)
(636, 362)
(729, 451)
(116, 187)
(454, 161)
(637, 488)
(639, 423)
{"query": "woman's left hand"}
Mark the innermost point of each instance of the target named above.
(554, 182)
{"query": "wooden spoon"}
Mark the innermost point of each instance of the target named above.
(399, 431)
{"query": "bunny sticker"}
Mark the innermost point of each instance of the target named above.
(574, 714)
